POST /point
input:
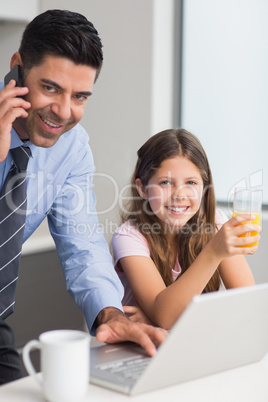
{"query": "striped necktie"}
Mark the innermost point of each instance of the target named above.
(12, 222)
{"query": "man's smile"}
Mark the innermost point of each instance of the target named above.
(49, 123)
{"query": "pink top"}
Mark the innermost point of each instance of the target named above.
(128, 241)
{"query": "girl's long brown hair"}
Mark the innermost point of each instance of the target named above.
(192, 238)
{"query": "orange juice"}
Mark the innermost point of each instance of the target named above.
(256, 221)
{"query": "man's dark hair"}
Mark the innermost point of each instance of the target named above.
(61, 33)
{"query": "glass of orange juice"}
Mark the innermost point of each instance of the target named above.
(248, 201)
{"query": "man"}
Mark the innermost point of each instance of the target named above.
(60, 58)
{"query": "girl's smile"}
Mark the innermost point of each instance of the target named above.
(177, 210)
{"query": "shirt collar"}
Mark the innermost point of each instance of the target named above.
(17, 142)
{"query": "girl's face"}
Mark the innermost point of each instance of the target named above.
(175, 191)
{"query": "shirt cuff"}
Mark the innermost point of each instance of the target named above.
(97, 301)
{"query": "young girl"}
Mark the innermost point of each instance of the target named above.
(174, 244)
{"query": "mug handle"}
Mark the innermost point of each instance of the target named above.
(34, 344)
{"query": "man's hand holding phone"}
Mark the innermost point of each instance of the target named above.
(12, 106)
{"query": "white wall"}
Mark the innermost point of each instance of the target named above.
(17, 10)
(225, 88)
(10, 34)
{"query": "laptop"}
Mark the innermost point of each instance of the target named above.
(216, 332)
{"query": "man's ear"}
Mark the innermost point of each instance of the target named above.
(16, 60)
(141, 189)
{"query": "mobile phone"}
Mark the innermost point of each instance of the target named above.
(16, 75)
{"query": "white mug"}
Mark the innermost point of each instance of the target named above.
(64, 364)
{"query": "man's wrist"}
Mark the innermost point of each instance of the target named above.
(107, 314)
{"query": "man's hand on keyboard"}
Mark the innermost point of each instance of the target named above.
(115, 327)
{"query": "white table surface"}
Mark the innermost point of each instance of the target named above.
(245, 384)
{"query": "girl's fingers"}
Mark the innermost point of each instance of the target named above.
(245, 241)
(248, 250)
(246, 228)
(130, 309)
(242, 218)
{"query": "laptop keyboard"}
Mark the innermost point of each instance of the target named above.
(130, 368)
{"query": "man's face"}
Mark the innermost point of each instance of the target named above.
(58, 93)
